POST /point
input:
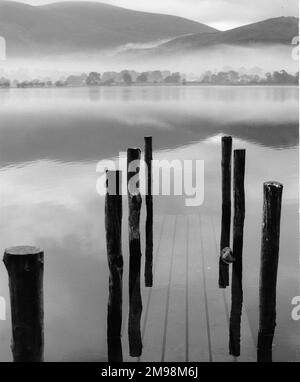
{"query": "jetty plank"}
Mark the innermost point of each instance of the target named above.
(154, 329)
(217, 309)
(175, 345)
(198, 325)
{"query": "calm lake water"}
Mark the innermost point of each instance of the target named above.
(50, 143)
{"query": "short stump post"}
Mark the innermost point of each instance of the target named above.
(226, 208)
(113, 227)
(268, 269)
(25, 267)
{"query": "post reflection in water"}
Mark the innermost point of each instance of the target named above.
(51, 141)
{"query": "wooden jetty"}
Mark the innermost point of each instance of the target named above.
(186, 314)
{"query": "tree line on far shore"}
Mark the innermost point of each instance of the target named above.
(232, 77)
(127, 78)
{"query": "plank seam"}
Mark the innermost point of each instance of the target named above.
(154, 272)
(205, 293)
(187, 295)
(168, 294)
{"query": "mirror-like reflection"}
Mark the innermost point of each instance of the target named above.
(51, 140)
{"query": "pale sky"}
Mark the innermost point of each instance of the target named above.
(221, 14)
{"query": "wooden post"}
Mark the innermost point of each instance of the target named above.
(149, 218)
(113, 227)
(237, 267)
(226, 208)
(268, 269)
(135, 298)
(25, 267)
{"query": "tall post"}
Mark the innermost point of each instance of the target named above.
(149, 218)
(113, 227)
(135, 298)
(226, 209)
(25, 266)
(237, 267)
(268, 269)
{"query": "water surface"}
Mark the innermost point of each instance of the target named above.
(51, 141)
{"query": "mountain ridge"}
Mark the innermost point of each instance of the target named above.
(68, 27)
(278, 30)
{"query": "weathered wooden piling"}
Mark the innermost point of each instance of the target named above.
(149, 217)
(226, 208)
(113, 227)
(237, 267)
(268, 269)
(135, 298)
(25, 267)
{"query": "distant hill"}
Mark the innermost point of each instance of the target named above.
(71, 27)
(279, 30)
